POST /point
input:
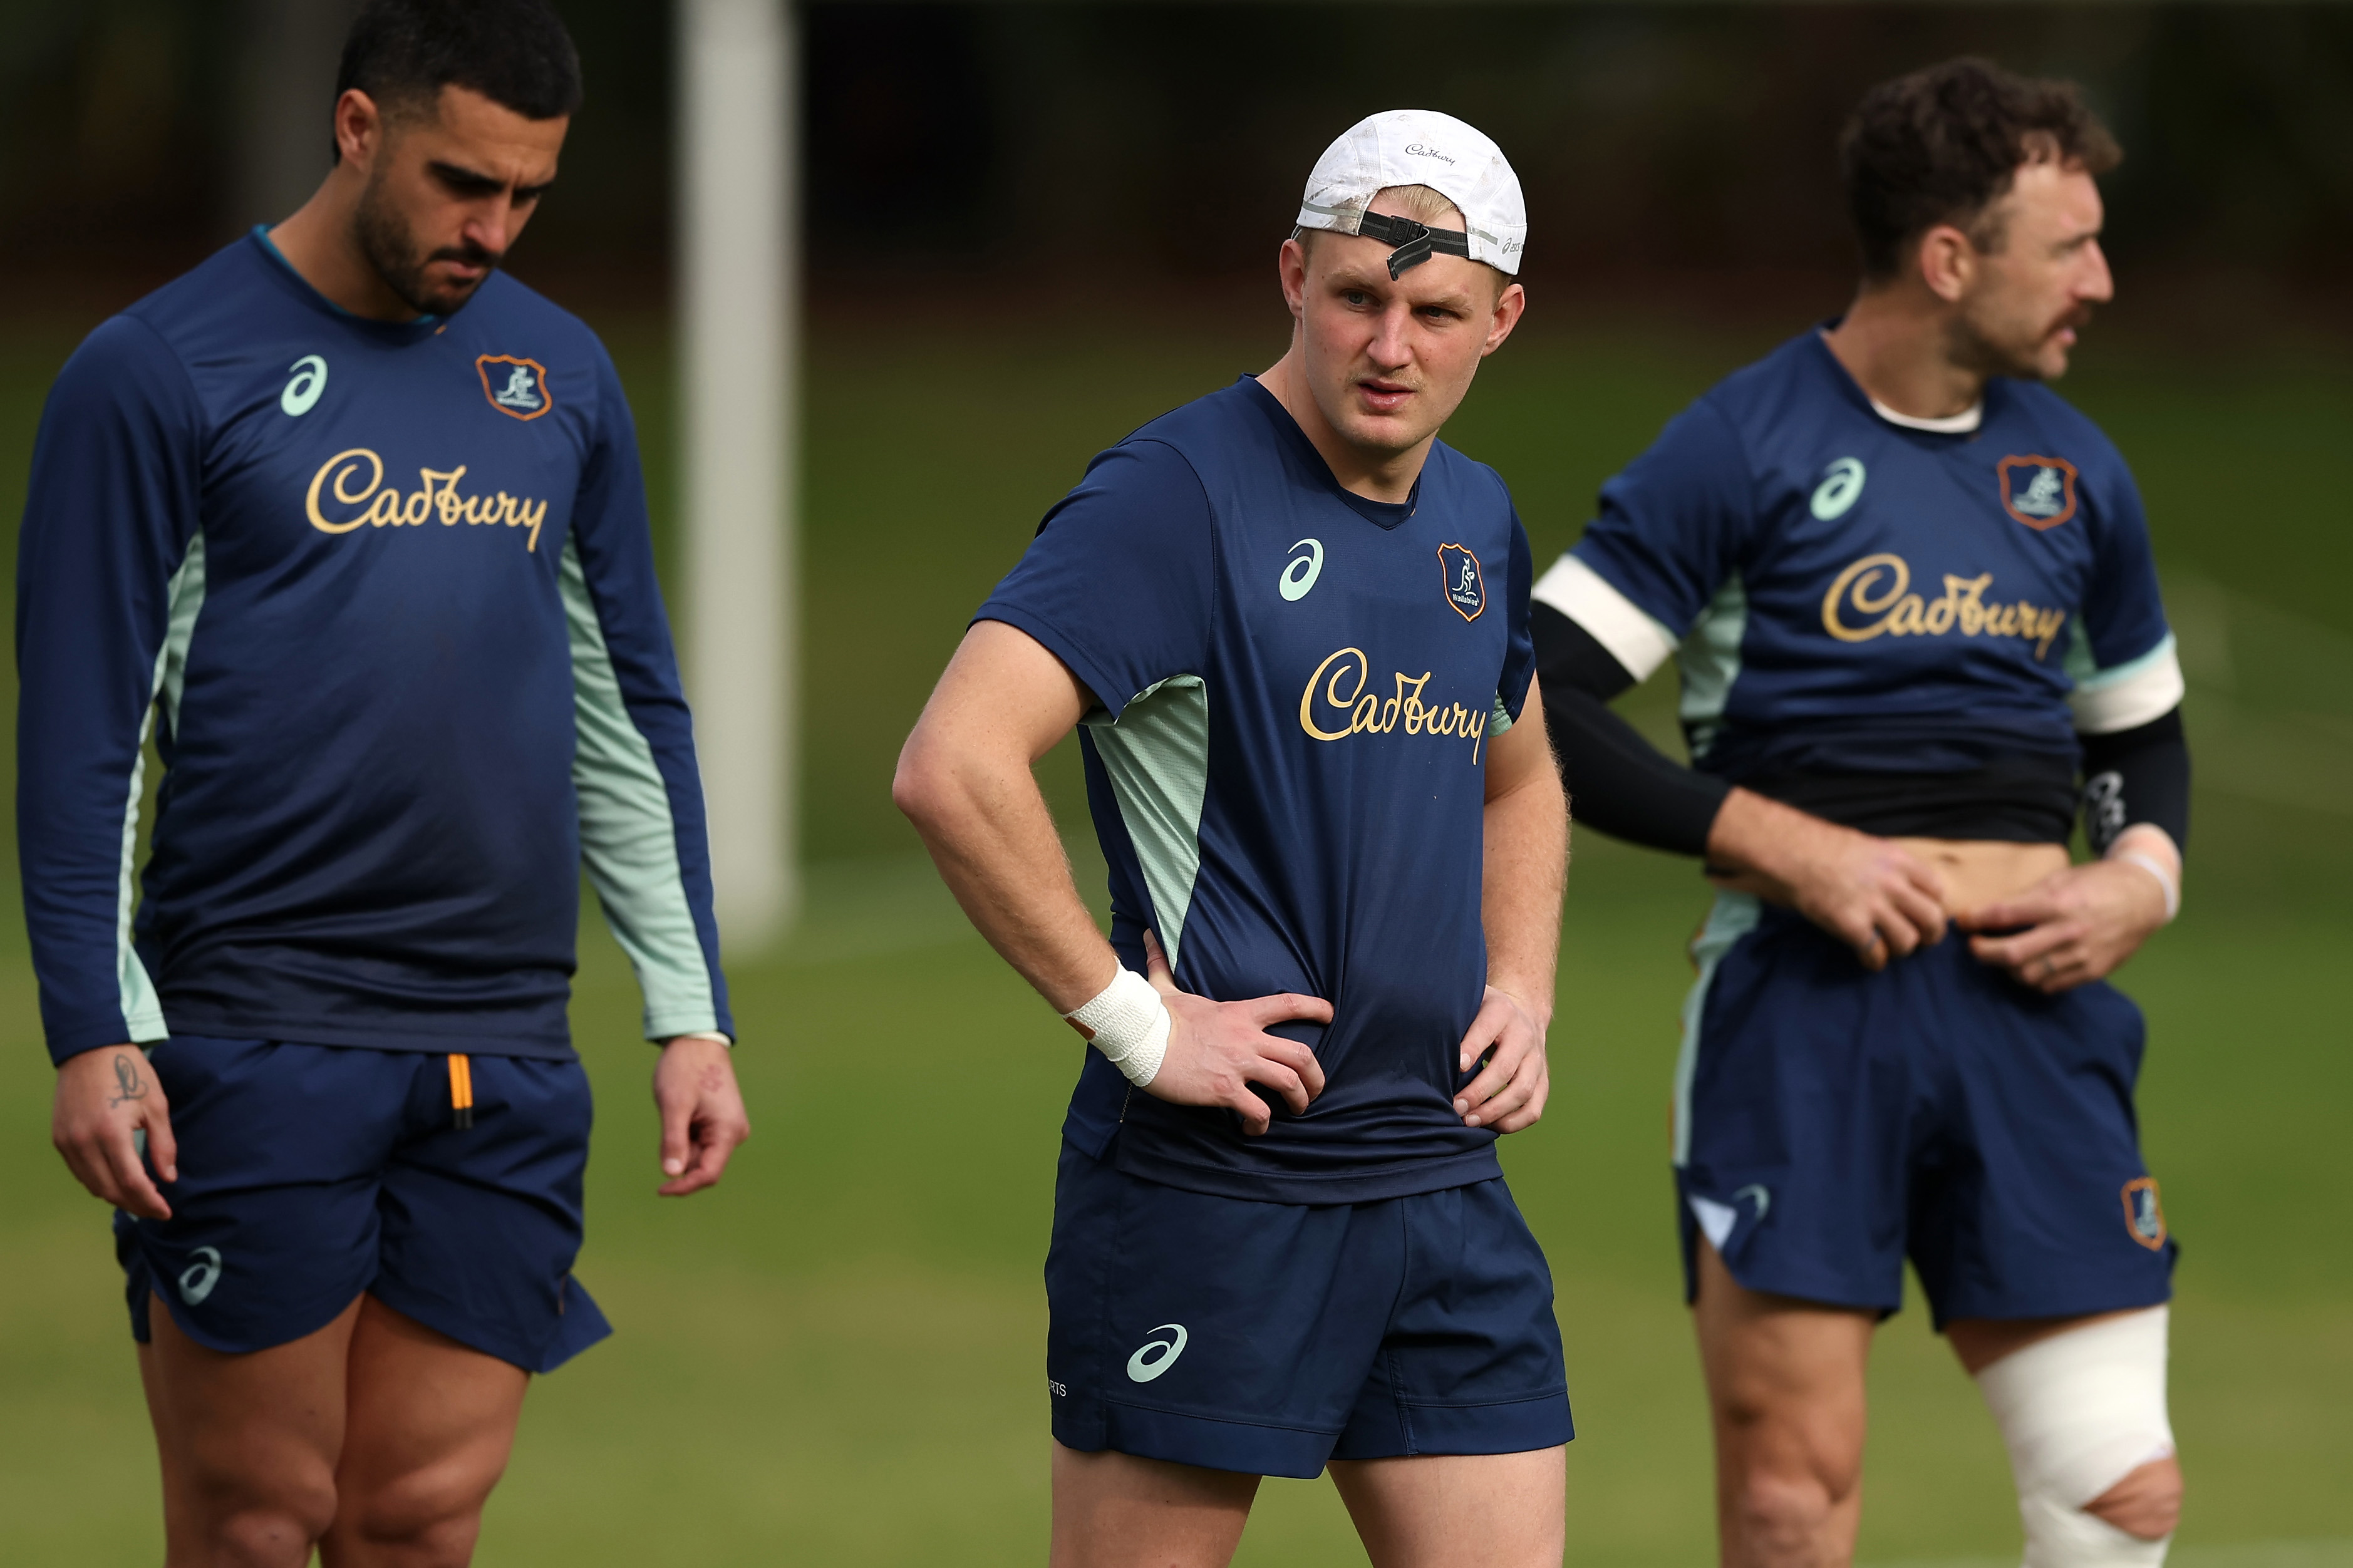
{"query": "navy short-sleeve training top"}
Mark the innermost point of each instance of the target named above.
(1852, 592)
(1296, 691)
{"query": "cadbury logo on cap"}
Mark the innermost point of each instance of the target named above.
(1417, 150)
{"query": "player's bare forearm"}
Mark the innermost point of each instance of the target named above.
(1872, 894)
(1526, 824)
(2083, 923)
(965, 781)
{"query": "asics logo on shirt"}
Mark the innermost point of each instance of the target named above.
(1337, 705)
(355, 479)
(1300, 573)
(1143, 1367)
(197, 1282)
(303, 391)
(1871, 598)
(1840, 488)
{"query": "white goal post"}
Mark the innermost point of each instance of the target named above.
(738, 168)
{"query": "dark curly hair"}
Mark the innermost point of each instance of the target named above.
(1942, 145)
(516, 53)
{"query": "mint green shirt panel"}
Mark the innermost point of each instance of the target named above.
(1710, 656)
(1157, 756)
(143, 1009)
(628, 836)
(1734, 916)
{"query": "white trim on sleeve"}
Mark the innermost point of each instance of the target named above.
(2130, 695)
(1633, 638)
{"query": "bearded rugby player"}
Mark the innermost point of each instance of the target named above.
(359, 517)
(1289, 626)
(1914, 600)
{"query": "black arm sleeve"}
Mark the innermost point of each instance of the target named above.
(2134, 776)
(1617, 781)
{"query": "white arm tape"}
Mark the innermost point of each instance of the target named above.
(2154, 868)
(1128, 1023)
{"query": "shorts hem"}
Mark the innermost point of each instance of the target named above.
(1820, 1290)
(2085, 1305)
(142, 1326)
(1496, 1427)
(554, 1352)
(1205, 1442)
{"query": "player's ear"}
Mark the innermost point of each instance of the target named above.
(1947, 262)
(359, 128)
(1511, 303)
(1290, 266)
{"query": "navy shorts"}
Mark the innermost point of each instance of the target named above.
(311, 1173)
(1268, 1338)
(1829, 1121)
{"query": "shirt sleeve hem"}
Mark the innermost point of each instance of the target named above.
(67, 1044)
(1054, 640)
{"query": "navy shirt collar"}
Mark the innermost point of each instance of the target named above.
(1381, 513)
(417, 330)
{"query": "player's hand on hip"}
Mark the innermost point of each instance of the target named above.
(2081, 924)
(1217, 1049)
(702, 1115)
(104, 1097)
(1510, 1091)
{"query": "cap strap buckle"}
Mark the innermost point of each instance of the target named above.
(1415, 242)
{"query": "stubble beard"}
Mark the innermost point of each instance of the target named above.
(390, 247)
(1989, 355)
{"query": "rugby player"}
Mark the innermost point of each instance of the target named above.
(356, 522)
(1912, 595)
(1290, 627)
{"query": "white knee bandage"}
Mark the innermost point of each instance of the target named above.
(2081, 1411)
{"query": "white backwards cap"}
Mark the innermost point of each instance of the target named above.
(1420, 147)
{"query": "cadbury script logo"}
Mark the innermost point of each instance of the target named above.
(1352, 709)
(1878, 588)
(435, 500)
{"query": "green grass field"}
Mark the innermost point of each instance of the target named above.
(836, 1357)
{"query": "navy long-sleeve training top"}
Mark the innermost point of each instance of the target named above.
(386, 595)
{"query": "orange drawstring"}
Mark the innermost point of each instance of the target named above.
(461, 1090)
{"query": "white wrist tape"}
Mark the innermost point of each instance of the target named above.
(2156, 867)
(1128, 1023)
(2080, 1411)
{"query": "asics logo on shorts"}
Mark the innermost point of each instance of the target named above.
(197, 1282)
(1143, 1368)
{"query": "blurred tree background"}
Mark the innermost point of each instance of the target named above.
(1681, 152)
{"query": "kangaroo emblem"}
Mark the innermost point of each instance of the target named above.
(520, 391)
(2037, 491)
